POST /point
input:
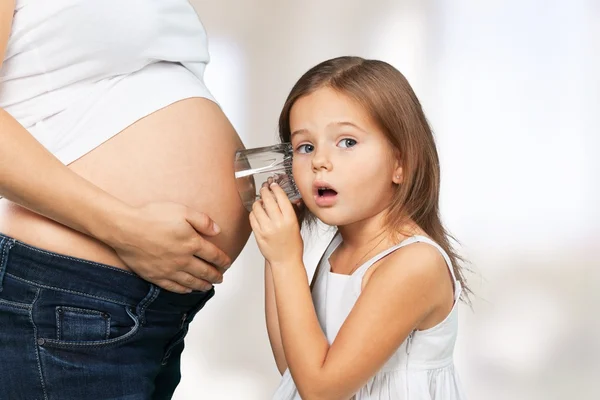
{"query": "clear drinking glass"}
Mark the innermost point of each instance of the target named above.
(253, 167)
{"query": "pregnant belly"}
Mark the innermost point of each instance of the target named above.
(182, 153)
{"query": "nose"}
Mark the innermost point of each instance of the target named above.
(321, 160)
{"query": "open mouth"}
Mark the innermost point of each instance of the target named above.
(325, 195)
(323, 189)
(326, 192)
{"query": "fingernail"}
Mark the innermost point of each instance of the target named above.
(189, 291)
(274, 184)
(216, 227)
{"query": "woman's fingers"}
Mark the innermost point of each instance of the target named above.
(210, 253)
(202, 270)
(172, 286)
(202, 223)
(189, 281)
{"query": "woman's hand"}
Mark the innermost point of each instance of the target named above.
(163, 244)
(275, 225)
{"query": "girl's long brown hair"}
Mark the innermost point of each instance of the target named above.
(390, 101)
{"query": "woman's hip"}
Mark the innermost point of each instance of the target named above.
(76, 329)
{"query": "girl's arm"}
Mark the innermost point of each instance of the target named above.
(404, 289)
(273, 321)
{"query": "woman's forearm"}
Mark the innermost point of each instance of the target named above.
(33, 178)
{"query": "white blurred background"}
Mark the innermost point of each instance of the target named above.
(512, 90)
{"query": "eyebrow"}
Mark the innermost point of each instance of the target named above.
(341, 123)
(350, 124)
(297, 132)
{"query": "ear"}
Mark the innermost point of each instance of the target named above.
(397, 176)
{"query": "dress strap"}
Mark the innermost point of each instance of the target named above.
(360, 271)
(413, 239)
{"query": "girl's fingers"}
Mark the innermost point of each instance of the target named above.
(254, 222)
(284, 203)
(271, 206)
(260, 215)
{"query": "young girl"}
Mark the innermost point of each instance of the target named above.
(381, 321)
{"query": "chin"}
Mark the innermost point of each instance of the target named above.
(330, 217)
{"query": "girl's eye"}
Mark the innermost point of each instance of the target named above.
(305, 148)
(347, 143)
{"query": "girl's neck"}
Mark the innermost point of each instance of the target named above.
(363, 239)
(362, 233)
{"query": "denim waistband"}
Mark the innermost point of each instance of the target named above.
(52, 270)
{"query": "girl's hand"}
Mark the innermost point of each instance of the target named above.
(275, 225)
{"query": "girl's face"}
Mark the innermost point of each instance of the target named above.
(343, 164)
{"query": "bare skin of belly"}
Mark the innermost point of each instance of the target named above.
(183, 153)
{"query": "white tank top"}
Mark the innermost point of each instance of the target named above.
(422, 368)
(77, 72)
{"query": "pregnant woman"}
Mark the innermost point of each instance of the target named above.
(119, 209)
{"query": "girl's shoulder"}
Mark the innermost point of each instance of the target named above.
(414, 276)
(415, 258)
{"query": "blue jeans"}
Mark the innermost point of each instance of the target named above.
(75, 329)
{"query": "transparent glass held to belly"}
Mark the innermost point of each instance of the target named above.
(253, 167)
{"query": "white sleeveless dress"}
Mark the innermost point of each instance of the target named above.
(421, 369)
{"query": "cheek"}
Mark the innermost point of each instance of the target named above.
(371, 179)
(302, 176)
